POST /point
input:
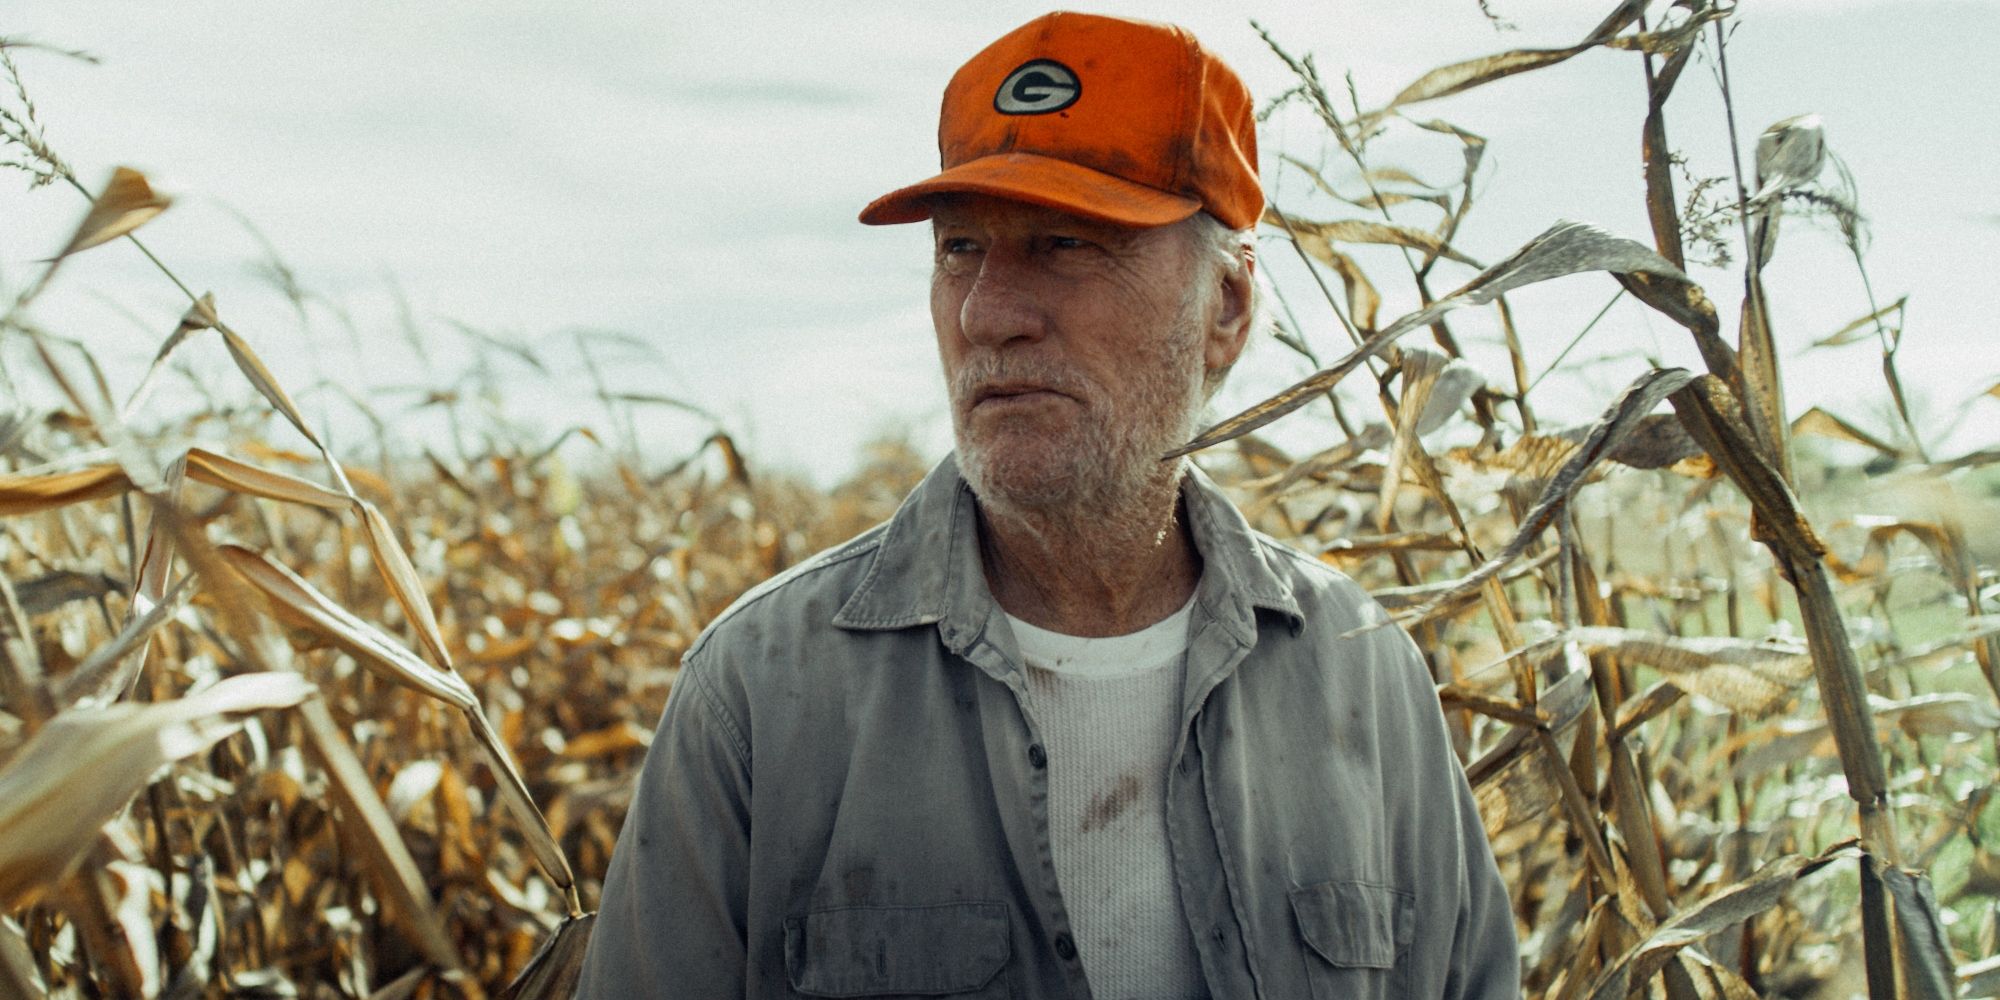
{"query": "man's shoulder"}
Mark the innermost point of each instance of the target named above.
(1322, 592)
(1350, 632)
(800, 598)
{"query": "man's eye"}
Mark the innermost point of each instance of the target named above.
(1068, 242)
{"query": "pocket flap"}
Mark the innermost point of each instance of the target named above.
(1354, 924)
(859, 951)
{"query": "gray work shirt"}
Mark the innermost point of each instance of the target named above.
(848, 796)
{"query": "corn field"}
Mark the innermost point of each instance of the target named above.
(276, 721)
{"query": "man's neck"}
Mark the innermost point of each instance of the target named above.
(1085, 573)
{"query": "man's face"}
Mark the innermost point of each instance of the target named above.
(1073, 350)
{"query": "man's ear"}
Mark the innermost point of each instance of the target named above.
(1229, 329)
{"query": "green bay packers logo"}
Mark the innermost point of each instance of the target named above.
(1038, 87)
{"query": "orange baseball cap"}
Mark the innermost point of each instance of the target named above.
(1129, 122)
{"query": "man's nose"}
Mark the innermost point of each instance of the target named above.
(1003, 304)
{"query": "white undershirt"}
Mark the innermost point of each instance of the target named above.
(1109, 709)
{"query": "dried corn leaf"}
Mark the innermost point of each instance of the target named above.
(1566, 248)
(264, 382)
(123, 942)
(411, 786)
(1923, 950)
(1789, 155)
(1635, 711)
(1773, 745)
(264, 451)
(1634, 403)
(1656, 153)
(108, 672)
(81, 767)
(653, 399)
(404, 986)
(53, 590)
(617, 738)
(1318, 467)
(1376, 199)
(1402, 541)
(1750, 677)
(156, 557)
(1864, 327)
(27, 494)
(241, 477)
(197, 918)
(553, 972)
(372, 833)
(1763, 391)
(519, 351)
(1420, 367)
(1462, 76)
(126, 203)
(1397, 175)
(1393, 598)
(138, 462)
(1318, 238)
(506, 650)
(732, 459)
(541, 840)
(1261, 457)
(1732, 905)
(298, 603)
(394, 565)
(1949, 714)
(1451, 79)
(1363, 301)
(1711, 415)
(1531, 458)
(1882, 531)
(18, 975)
(1819, 421)
(1712, 980)
(1472, 147)
(1657, 442)
(1512, 782)
(1787, 742)
(199, 316)
(1454, 387)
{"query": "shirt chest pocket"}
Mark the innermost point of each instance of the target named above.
(1354, 934)
(946, 950)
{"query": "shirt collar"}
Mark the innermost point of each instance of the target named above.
(926, 569)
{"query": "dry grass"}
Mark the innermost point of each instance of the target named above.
(279, 723)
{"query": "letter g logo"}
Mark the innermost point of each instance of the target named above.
(1038, 87)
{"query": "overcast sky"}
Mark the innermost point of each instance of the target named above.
(688, 176)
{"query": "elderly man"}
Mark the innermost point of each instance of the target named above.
(1065, 726)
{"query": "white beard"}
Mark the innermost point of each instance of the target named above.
(1106, 466)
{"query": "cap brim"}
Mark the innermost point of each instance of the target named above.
(1037, 180)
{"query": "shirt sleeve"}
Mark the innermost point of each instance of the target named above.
(672, 916)
(1484, 962)
(1485, 959)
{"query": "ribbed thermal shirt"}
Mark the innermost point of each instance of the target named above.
(1108, 710)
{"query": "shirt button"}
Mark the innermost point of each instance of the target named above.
(1038, 756)
(1066, 947)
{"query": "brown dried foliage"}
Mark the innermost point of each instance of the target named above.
(1703, 718)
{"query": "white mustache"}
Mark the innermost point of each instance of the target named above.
(992, 370)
